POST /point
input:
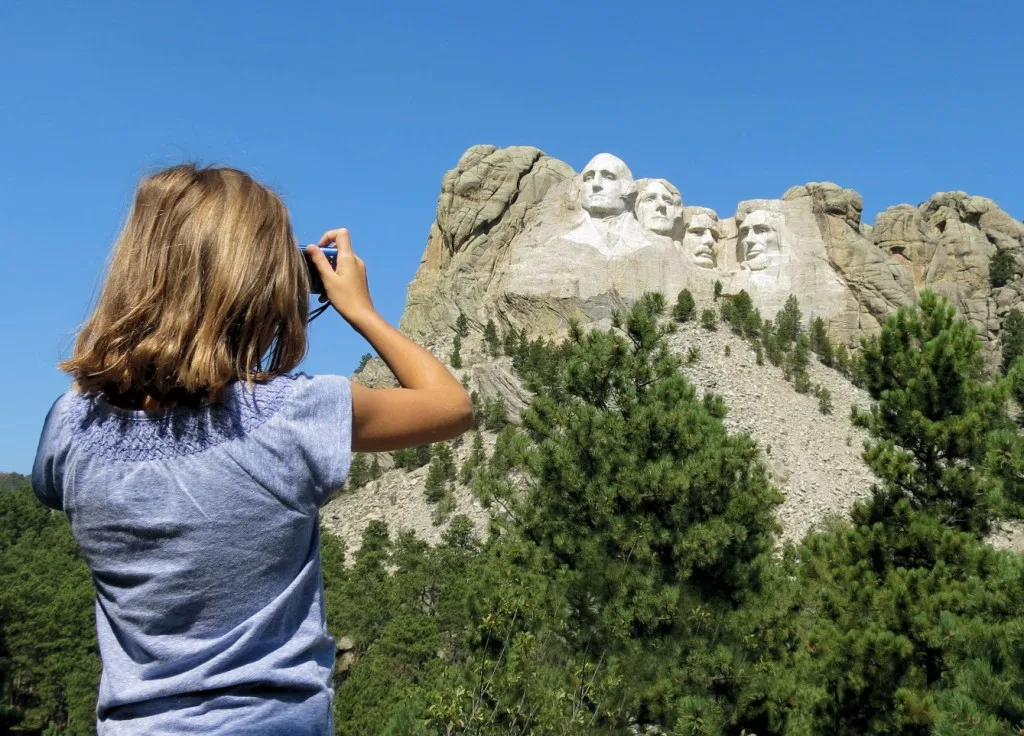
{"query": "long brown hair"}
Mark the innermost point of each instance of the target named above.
(205, 280)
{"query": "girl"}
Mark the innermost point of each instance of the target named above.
(192, 463)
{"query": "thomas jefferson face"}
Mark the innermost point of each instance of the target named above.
(606, 182)
(658, 208)
(700, 238)
(759, 240)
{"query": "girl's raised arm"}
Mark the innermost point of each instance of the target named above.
(431, 406)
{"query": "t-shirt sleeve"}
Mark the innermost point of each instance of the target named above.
(321, 420)
(48, 468)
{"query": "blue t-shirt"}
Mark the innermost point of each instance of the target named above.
(201, 530)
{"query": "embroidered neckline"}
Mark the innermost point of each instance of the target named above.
(100, 428)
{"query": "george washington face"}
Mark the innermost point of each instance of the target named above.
(605, 186)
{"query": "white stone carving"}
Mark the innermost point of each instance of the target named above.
(701, 238)
(758, 241)
(659, 206)
(606, 185)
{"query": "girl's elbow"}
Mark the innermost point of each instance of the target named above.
(465, 420)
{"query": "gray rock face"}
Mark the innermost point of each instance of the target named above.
(521, 239)
(484, 201)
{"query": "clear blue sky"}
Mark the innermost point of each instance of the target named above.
(354, 111)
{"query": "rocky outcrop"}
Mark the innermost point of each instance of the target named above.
(483, 204)
(520, 239)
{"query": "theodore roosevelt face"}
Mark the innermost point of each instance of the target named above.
(658, 207)
(700, 239)
(606, 183)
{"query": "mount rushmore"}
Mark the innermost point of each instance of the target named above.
(523, 239)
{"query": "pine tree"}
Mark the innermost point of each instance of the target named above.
(820, 343)
(495, 414)
(456, 360)
(1000, 268)
(718, 289)
(437, 485)
(491, 339)
(800, 355)
(508, 342)
(366, 358)
(1012, 335)
(933, 411)
(403, 458)
(842, 360)
(787, 321)
(741, 312)
(708, 320)
(358, 471)
(462, 325)
(445, 458)
(375, 470)
(902, 626)
(476, 458)
(644, 551)
(824, 399)
(685, 306)
(421, 455)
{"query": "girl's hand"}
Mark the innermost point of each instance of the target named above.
(346, 285)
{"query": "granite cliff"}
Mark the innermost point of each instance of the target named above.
(521, 239)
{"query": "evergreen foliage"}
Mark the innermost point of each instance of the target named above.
(1000, 268)
(643, 553)
(446, 460)
(1012, 336)
(820, 344)
(509, 340)
(476, 459)
(456, 358)
(375, 471)
(800, 356)
(842, 360)
(402, 459)
(491, 339)
(740, 314)
(495, 414)
(718, 289)
(462, 325)
(933, 413)
(421, 455)
(358, 471)
(437, 481)
(824, 399)
(685, 306)
(628, 585)
(708, 320)
(910, 629)
(49, 657)
(363, 360)
(787, 322)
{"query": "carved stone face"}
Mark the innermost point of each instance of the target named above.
(605, 185)
(658, 207)
(758, 239)
(700, 239)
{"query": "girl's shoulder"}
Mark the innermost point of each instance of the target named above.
(95, 425)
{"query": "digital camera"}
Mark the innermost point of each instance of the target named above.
(316, 284)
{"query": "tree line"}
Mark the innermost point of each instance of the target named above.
(632, 580)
